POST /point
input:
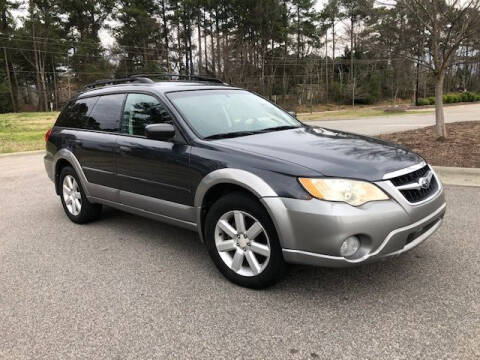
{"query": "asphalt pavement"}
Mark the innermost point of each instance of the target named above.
(393, 123)
(125, 287)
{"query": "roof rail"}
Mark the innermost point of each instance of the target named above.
(131, 79)
(170, 76)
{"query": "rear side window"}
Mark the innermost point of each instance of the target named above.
(105, 116)
(76, 112)
(142, 110)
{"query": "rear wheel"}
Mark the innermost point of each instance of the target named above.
(242, 241)
(74, 201)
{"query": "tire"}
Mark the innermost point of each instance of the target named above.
(74, 201)
(252, 260)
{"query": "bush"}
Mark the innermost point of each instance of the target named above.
(448, 99)
(467, 96)
(451, 98)
(423, 102)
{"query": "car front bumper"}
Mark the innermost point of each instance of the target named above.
(311, 231)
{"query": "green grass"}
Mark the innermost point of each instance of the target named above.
(24, 131)
(354, 114)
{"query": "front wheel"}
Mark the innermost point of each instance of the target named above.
(242, 242)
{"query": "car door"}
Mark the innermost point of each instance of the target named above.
(96, 146)
(153, 175)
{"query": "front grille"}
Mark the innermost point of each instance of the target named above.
(410, 177)
(418, 194)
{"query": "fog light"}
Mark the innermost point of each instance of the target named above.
(350, 246)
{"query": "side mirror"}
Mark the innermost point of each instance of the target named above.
(293, 113)
(161, 132)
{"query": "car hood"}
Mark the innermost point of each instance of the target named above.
(328, 152)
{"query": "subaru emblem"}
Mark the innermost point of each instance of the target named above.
(424, 182)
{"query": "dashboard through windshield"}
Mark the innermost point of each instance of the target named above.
(215, 114)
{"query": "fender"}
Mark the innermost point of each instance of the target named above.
(66, 154)
(243, 178)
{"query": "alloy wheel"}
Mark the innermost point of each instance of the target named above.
(242, 243)
(71, 195)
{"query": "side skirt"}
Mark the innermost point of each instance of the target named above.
(133, 210)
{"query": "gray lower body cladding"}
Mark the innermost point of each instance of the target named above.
(312, 232)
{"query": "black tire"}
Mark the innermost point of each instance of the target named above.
(88, 211)
(275, 268)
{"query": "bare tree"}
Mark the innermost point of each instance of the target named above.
(445, 25)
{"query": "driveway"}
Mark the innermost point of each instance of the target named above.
(394, 123)
(125, 287)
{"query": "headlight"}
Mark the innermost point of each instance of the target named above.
(352, 192)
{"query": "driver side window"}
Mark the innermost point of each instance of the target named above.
(142, 110)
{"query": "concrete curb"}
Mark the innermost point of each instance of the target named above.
(458, 176)
(22, 153)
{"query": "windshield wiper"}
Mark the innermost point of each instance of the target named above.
(229, 135)
(252, 132)
(277, 128)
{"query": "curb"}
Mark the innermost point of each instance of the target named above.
(22, 153)
(458, 176)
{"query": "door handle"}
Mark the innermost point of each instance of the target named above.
(124, 149)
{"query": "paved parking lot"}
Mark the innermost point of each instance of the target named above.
(131, 288)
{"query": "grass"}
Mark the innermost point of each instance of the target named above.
(24, 131)
(350, 114)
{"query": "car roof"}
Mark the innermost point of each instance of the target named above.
(157, 87)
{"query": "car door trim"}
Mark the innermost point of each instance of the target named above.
(170, 212)
(155, 182)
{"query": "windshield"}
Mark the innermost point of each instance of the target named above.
(228, 113)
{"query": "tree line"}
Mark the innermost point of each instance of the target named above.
(296, 52)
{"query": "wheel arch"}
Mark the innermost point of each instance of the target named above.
(65, 157)
(59, 165)
(220, 182)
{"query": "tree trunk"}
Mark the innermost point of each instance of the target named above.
(217, 29)
(205, 47)
(165, 36)
(10, 87)
(214, 65)
(352, 70)
(55, 90)
(326, 66)
(417, 78)
(200, 65)
(439, 114)
(351, 49)
(333, 51)
(298, 31)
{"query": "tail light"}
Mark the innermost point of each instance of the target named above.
(47, 134)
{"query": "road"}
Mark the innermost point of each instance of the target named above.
(392, 123)
(125, 287)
